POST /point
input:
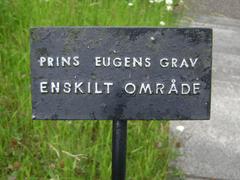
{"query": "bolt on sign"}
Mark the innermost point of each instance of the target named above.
(126, 73)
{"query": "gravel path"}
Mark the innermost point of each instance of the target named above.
(211, 149)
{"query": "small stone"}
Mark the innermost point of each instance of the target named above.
(180, 128)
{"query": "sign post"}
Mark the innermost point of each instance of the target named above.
(120, 74)
(119, 146)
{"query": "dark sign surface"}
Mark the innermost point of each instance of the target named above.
(121, 73)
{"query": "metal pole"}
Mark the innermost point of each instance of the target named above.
(119, 144)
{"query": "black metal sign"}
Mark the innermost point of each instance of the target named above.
(121, 73)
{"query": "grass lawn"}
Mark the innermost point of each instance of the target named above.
(72, 149)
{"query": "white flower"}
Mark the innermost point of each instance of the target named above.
(158, 1)
(162, 23)
(180, 128)
(169, 2)
(130, 4)
(151, 1)
(169, 8)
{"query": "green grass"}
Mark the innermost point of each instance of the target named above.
(71, 149)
